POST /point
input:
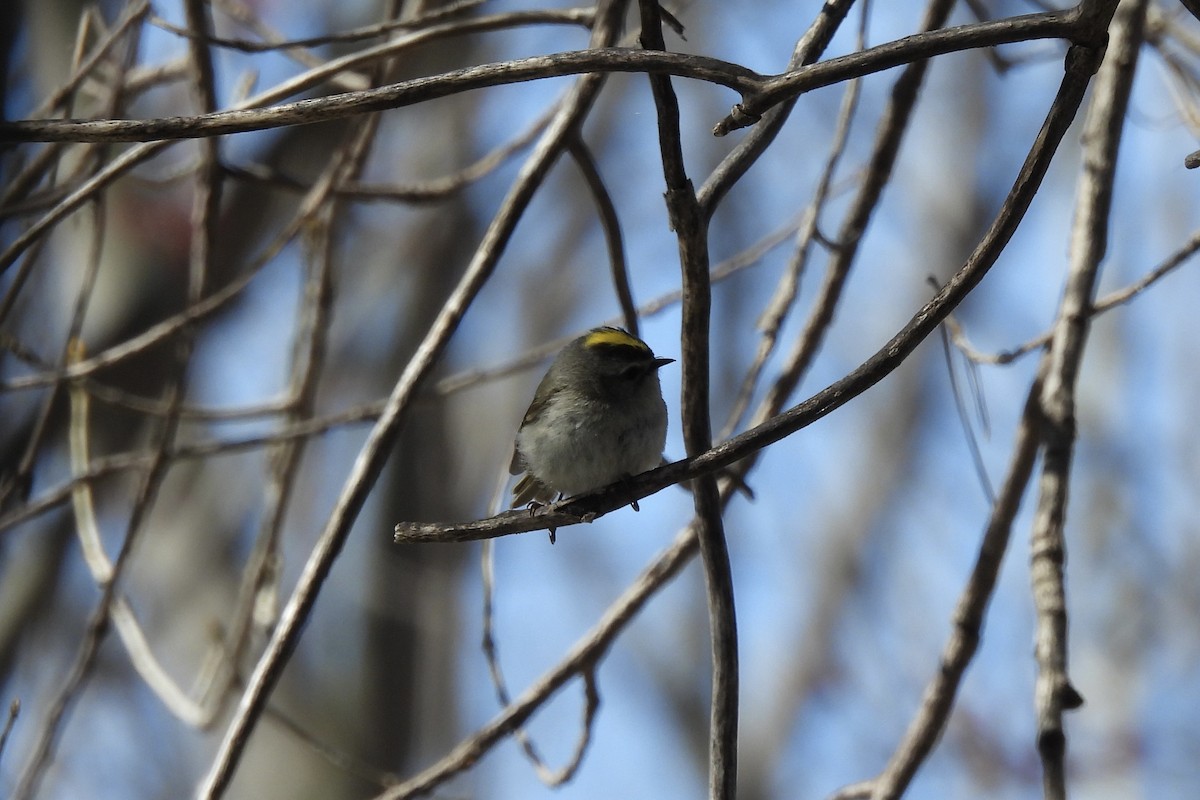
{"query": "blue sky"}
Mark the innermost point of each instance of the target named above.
(865, 523)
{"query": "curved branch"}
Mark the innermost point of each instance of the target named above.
(610, 224)
(579, 660)
(397, 95)
(758, 92)
(1070, 24)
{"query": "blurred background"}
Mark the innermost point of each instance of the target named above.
(848, 563)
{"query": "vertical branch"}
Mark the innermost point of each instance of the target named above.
(99, 619)
(206, 205)
(1053, 692)
(691, 229)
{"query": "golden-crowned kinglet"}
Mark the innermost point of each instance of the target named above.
(598, 416)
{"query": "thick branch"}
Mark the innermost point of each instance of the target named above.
(397, 95)
(691, 230)
(759, 93)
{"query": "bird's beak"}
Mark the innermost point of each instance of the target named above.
(659, 363)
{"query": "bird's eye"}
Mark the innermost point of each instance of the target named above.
(630, 373)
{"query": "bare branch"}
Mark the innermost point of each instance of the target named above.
(398, 95)
(775, 90)
(491, 651)
(611, 225)
(691, 230)
(1054, 693)
(14, 711)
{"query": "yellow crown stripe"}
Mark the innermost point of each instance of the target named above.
(615, 337)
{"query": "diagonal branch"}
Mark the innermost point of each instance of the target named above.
(1071, 24)
(960, 648)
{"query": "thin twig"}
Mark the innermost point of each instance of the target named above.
(770, 322)
(491, 652)
(1107, 303)
(581, 658)
(964, 418)
(14, 711)
(610, 223)
(424, 192)
(129, 630)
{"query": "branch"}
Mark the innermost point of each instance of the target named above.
(14, 711)
(1106, 303)
(274, 41)
(397, 95)
(1054, 693)
(581, 659)
(691, 230)
(129, 630)
(587, 673)
(1069, 24)
(759, 92)
(810, 47)
(610, 223)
